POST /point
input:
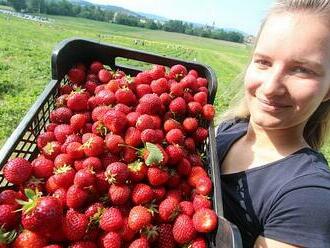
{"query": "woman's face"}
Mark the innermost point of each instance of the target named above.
(289, 75)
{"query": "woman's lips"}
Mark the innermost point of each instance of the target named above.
(271, 105)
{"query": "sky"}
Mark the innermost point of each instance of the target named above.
(244, 15)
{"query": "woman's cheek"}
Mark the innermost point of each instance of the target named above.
(252, 80)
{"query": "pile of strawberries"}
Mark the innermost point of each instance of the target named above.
(120, 165)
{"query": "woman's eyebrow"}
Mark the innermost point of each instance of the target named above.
(313, 64)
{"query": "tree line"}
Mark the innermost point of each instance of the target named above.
(94, 12)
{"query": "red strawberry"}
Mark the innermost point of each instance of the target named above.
(62, 131)
(157, 71)
(194, 108)
(76, 197)
(77, 100)
(129, 155)
(28, 239)
(208, 111)
(94, 146)
(190, 145)
(51, 150)
(99, 129)
(177, 89)
(201, 97)
(8, 217)
(159, 193)
(90, 86)
(143, 89)
(76, 75)
(60, 194)
(203, 185)
(150, 135)
(41, 213)
(187, 208)
(205, 220)
(105, 97)
(160, 86)
(171, 124)
(139, 217)
(122, 108)
(125, 96)
(165, 239)
(178, 106)
(150, 104)
(184, 167)
(111, 240)
(65, 89)
(64, 176)
(44, 138)
(144, 122)
(99, 111)
(198, 243)
(78, 121)
(113, 85)
(175, 154)
(190, 82)
(201, 201)
(75, 225)
(190, 124)
(61, 115)
(115, 121)
(175, 136)
(177, 72)
(83, 244)
(119, 194)
(133, 137)
(157, 176)
(169, 209)
(183, 229)
(93, 163)
(142, 78)
(140, 243)
(114, 142)
(137, 171)
(75, 150)
(95, 67)
(200, 135)
(142, 194)
(132, 118)
(111, 220)
(116, 172)
(104, 76)
(193, 73)
(202, 82)
(61, 101)
(84, 178)
(9, 197)
(17, 170)
(42, 167)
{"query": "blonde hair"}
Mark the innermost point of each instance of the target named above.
(318, 125)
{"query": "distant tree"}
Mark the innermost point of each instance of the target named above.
(18, 5)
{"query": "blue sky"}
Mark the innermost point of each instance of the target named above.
(245, 15)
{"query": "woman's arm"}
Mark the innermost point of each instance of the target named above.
(263, 242)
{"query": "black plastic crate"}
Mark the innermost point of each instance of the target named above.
(22, 142)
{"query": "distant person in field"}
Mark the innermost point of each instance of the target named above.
(275, 182)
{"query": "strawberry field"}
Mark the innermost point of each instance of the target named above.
(25, 49)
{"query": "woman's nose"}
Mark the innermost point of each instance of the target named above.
(273, 84)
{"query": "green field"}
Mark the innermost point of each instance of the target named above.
(26, 46)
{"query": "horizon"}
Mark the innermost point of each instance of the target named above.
(221, 14)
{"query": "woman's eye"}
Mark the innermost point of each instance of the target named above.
(302, 70)
(262, 63)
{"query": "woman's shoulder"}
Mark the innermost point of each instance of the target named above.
(231, 125)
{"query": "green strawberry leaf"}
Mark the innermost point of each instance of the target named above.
(155, 155)
(30, 194)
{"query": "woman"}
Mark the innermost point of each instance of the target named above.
(276, 185)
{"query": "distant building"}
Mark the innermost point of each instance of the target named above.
(250, 39)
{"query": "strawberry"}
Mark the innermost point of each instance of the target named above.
(93, 163)
(99, 129)
(194, 108)
(159, 193)
(165, 239)
(137, 171)
(61, 115)
(105, 97)
(65, 89)
(104, 76)
(115, 121)
(132, 118)
(51, 186)
(84, 178)
(169, 209)
(157, 72)
(78, 121)
(62, 131)
(111, 220)
(150, 135)
(62, 100)
(63, 159)
(205, 220)
(144, 122)
(203, 185)
(200, 135)
(139, 217)
(8, 217)
(142, 78)
(76, 75)
(133, 137)
(198, 242)
(183, 229)
(140, 243)
(98, 112)
(125, 96)
(177, 72)
(113, 85)
(187, 208)
(95, 67)
(201, 201)
(178, 106)
(28, 239)
(175, 154)
(9, 196)
(122, 108)
(157, 176)
(208, 112)
(171, 124)
(193, 73)
(174, 193)
(159, 86)
(116, 172)
(94, 146)
(189, 82)
(42, 167)
(90, 86)
(75, 225)
(76, 197)
(201, 97)
(129, 155)
(119, 194)
(77, 100)
(41, 213)
(190, 124)
(17, 170)
(114, 142)
(143, 89)
(175, 136)
(63, 176)
(184, 167)
(142, 194)
(44, 138)
(149, 104)
(83, 244)
(111, 240)
(189, 144)
(51, 150)
(60, 194)
(75, 150)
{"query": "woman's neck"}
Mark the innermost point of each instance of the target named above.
(284, 141)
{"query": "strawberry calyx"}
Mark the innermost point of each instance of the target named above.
(102, 129)
(135, 166)
(62, 169)
(7, 237)
(33, 199)
(150, 232)
(95, 219)
(152, 208)
(152, 154)
(49, 148)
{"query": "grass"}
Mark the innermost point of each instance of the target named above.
(26, 46)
